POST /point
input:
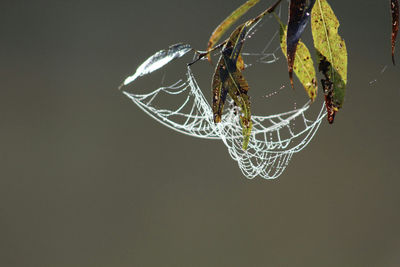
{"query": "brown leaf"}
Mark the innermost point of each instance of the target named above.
(328, 87)
(395, 24)
(228, 77)
(232, 49)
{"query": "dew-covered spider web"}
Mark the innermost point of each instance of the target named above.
(181, 105)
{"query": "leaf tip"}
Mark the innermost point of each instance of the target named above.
(291, 78)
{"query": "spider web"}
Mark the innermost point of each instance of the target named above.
(274, 138)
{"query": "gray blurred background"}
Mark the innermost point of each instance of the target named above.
(87, 179)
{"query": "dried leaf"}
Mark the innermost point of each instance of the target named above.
(238, 89)
(219, 93)
(228, 22)
(299, 14)
(394, 4)
(229, 79)
(240, 63)
(231, 48)
(332, 56)
(303, 64)
(237, 84)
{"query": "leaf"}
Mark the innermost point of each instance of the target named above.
(299, 14)
(228, 22)
(229, 79)
(225, 28)
(394, 4)
(219, 93)
(232, 46)
(332, 56)
(303, 64)
(237, 84)
(238, 89)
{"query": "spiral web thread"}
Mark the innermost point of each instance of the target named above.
(273, 140)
